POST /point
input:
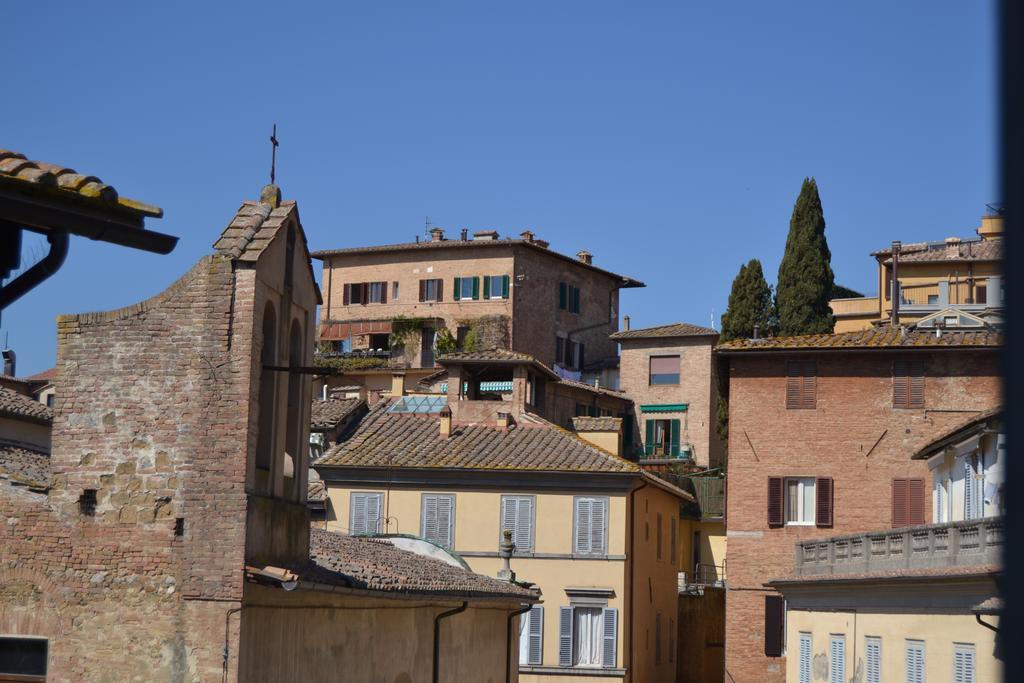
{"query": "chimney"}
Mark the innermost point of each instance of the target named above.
(485, 235)
(542, 243)
(10, 362)
(585, 256)
(625, 323)
(757, 331)
(436, 234)
(526, 235)
(505, 550)
(464, 234)
(446, 422)
(894, 319)
(504, 420)
(397, 384)
(953, 247)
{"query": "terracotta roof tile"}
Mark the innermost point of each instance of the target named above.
(875, 338)
(673, 330)
(927, 573)
(597, 424)
(938, 252)
(44, 376)
(13, 404)
(24, 465)
(486, 355)
(408, 440)
(328, 414)
(376, 564)
(603, 391)
(62, 182)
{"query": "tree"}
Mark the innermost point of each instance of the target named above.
(840, 292)
(750, 304)
(805, 275)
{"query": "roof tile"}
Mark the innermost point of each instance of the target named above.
(672, 330)
(13, 404)
(875, 338)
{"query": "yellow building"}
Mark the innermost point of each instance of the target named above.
(600, 537)
(963, 275)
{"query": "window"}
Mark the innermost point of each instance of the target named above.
(87, 503)
(801, 385)
(517, 515)
(467, 288)
(568, 297)
(560, 350)
(872, 659)
(531, 636)
(908, 384)
(658, 542)
(914, 664)
(800, 501)
(394, 291)
(933, 299)
(49, 400)
(805, 657)
(363, 293)
(837, 659)
(438, 519)
(907, 502)
(378, 292)
(774, 625)
(23, 659)
(587, 636)
(496, 287)
(662, 438)
(657, 638)
(365, 513)
(664, 370)
(590, 533)
(431, 290)
(963, 663)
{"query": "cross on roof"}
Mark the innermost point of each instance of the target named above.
(273, 153)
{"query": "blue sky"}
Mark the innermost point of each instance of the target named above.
(669, 139)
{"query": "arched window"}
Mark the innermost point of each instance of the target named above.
(267, 402)
(294, 448)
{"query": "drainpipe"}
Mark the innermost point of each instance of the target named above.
(632, 572)
(43, 269)
(895, 315)
(508, 643)
(437, 637)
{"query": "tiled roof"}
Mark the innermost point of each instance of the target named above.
(501, 355)
(875, 338)
(596, 424)
(65, 183)
(377, 565)
(938, 252)
(386, 439)
(673, 330)
(24, 465)
(44, 376)
(316, 492)
(328, 414)
(895, 574)
(603, 391)
(13, 404)
(472, 244)
(961, 429)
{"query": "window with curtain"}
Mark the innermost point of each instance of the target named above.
(664, 370)
(586, 646)
(800, 500)
(377, 292)
(430, 290)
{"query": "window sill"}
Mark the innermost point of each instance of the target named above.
(594, 671)
(799, 523)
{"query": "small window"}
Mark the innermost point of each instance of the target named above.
(574, 300)
(438, 519)
(365, 514)
(590, 535)
(430, 290)
(49, 400)
(23, 659)
(801, 385)
(568, 297)
(517, 516)
(800, 501)
(664, 370)
(461, 332)
(662, 438)
(908, 384)
(872, 659)
(963, 663)
(377, 292)
(87, 503)
(837, 659)
(394, 291)
(805, 658)
(914, 661)
(496, 286)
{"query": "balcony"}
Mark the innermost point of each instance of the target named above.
(956, 544)
(928, 297)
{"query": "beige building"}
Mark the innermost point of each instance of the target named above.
(403, 304)
(669, 374)
(600, 538)
(955, 276)
(25, 426)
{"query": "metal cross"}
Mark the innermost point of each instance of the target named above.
(273, 153)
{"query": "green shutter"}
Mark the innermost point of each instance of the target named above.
(476, 288)
(563, 295)
(504, 286)
(575, 299)
(458, 288)
(487, 287)
(649, 441)
(675, 438)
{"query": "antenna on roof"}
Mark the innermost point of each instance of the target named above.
(426, 225)
(273, 153)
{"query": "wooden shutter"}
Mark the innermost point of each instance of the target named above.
(823, 502)
(809, 394)
(774, 609)
(583, 524)
(649, 441)
(476, 288)
(675, 438)
(969, 502)
(775, 500)
(579, 356)
(423, 288)
(487, 286)
(563, 296)
(900, 511)
(347, 294)
(900, 385)
(458, 289)
(963, 664)
(801, 385)
(504, 286)
(440, 289)
(517, 515)
(565, 636)
(535, 635)
(429, 522)
(575, 299)
(610, 636)
(915, 502)
(383, 292)
(915, 382)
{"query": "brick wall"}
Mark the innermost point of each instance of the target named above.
(853, 436)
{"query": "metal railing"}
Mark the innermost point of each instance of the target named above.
(702, 575)
(955, 544)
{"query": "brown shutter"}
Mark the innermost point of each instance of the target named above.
(774, 617)
(915, 502)
(823, 507)
(915, 394)
(899, 503)
(775, 498)
(440, 290)
(347, 296)
(900, 393)
(810, 385)
(423, 287)
(793, 385)
(383, 292)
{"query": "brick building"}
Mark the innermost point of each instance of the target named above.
(669, 374)
(821, 433)
(390, 302)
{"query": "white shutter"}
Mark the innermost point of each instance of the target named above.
(509, 509)
(940, 509)
(365, 512)
(583, 524)
(536, 635)
(963, 663)
(373, 508)
(837, 659)
(609, 636)
(915, 661)
(357, 522)
(873, 655)
(599, 526)
(565, 636)
(805, 658)
(445, 519)
(524, 524)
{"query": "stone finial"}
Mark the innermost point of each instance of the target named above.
(271, 194)
(505, 550)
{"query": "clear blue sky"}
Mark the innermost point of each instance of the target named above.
(669, 139)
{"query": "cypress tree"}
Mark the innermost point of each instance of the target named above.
(750, 303)
(805, 275)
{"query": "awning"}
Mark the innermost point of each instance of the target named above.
(664, 408)
(340, 331)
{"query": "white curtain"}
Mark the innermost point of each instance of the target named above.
(587, 635)
(524, 638)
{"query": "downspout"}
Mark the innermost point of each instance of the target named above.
(894, 315)
(632, 572)
(508, 643)
(437, 637)
(49, 265)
